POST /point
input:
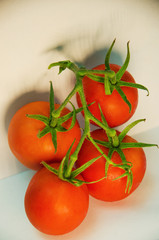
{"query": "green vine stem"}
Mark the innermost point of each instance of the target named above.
(56, 113)
(53, 123)
(88, 115)
(117, 146)
(111, 81)
(68, 172)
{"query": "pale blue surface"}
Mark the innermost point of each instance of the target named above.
(13, 224)
(135, 218)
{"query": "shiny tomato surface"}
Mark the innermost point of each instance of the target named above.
(54, 206)
(115, 110)
(110, 189)
(23, 136)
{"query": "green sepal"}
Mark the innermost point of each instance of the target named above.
(39, 117)
(103, 143)
(104, 155)
(63, 65)
(63, 165)
(54, 125)
(125, 174)
(66, 159)
(51, 169)
(136, 145)
(133, 85)
(70, 114)
(63, 168)
(61, 120)
(60, 128)
(84, 167)
(110, 153)
(107, 58)
(121, 154)
(126, 165)
(128, 171)
(122, 70)
(78, 182)
(43, 132)
(122, 94)
(54, 137)
(51, 100)
(128, 128)
(64, 118)
(61, 69)
(129, 181)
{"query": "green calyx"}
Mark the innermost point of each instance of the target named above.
(111, 81)
(68, 172)
(115, 144)
(62, 171)
(114, 81)
(55, 124)
(109, 78)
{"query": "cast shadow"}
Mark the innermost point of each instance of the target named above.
(22, 100)
(85, 50)
(93, 56)
(91, 59)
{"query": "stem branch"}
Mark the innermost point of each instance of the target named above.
(86, 131)
(56, 113)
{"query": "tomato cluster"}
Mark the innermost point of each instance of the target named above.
(105, 163)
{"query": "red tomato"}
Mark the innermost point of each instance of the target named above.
(115, 110)
(31, 150)
(54, 206)
(109, 189)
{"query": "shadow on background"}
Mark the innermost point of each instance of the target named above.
(85, 50)
(90, 58)
(82, 49)
(22, 100)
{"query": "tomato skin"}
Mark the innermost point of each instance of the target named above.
(107, 189)
(31, 150)
(54, 206)
(115, 110)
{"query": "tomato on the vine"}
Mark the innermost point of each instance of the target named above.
(23, 138)
(54, 206)
(110, 189)
(114, 108)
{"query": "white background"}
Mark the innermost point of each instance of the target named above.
(34, 33)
